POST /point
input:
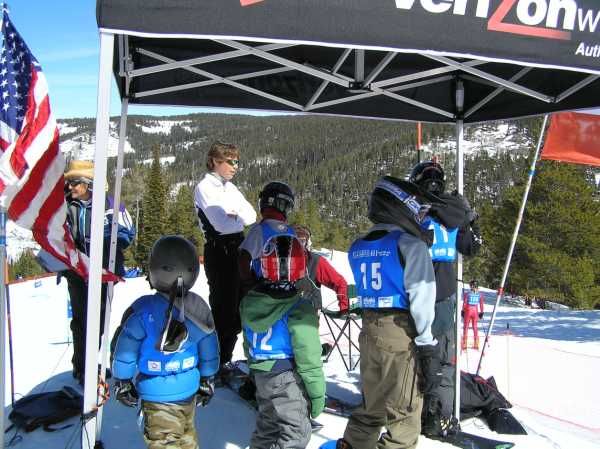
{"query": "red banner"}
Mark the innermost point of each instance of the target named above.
(573, 137)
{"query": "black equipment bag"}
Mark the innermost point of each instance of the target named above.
(480, 397)
(46, 409)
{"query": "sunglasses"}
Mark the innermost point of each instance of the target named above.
(75, 182)
(232, 162)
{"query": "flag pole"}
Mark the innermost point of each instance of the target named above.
(513, 242)
(2, 299)
(10, 340)
(113, 251)
(3, 318)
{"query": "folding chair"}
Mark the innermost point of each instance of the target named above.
(344, 330)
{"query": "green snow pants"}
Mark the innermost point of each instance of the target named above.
(169, 426)
(391, 398)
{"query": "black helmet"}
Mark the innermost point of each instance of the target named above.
(429, 175)
(277, 195)
(401, 203)
(173, 256)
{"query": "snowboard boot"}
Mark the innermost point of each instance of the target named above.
(431, 426)
(430, 417)
(343, 444)
(223, 374)
(449, 425)
(78, 375)
(247, 390)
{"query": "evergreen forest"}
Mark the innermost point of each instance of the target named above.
(332, 164)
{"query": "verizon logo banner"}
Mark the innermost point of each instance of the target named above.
(563, 33)
(576, 22)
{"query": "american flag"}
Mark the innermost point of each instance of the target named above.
(31, 164)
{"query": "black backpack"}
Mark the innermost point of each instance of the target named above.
(46, 409)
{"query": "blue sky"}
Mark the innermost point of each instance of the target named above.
(63, 36)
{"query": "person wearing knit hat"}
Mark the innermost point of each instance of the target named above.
(79, 179)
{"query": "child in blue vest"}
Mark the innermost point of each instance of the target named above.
(275, 201)
(395, 287)
(281, 340)
(167, 342)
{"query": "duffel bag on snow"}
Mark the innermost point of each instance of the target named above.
(46, 409)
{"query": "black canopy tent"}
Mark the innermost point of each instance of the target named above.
(355, 58)
(453, 61)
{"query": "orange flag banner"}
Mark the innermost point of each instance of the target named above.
(573, 137)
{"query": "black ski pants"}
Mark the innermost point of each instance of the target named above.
(441, 401)
(78, 291)
(221, 268)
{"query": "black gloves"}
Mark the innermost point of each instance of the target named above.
(126, 393)
(480, 315)
(431, 368)
(462, 313)
(205, 391)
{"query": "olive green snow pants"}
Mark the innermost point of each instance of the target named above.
(391, 398)
(169, 426)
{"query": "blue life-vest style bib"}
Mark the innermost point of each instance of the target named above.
(444, 241)
(473, 298)
(378, 273)
(153, 362)
(267, 233)
(274, 344)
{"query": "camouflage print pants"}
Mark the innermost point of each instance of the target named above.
(169, 426)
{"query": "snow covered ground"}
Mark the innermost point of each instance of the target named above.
(547, 366)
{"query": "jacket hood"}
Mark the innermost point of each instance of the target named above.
(260, 311)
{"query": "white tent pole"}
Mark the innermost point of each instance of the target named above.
(514, 240)
(90, 396)
(460, 97)
(105, 347)
(2, 318)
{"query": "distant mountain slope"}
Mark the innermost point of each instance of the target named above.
(333, 161)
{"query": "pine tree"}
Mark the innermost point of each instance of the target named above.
(558, 247)
(183, 219)
(25, 266)
(152, 212)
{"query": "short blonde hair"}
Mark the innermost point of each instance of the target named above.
(220, 151)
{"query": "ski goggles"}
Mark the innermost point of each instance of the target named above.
(418, 210)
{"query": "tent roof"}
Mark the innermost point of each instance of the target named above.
(389, 59)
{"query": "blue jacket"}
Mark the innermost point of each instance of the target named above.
(165, 377)
(79, 216)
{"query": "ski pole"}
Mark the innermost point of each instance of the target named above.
(508, 359)
(10, 346)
